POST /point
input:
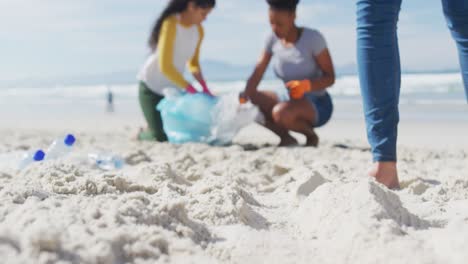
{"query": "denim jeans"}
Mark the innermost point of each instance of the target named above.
(379, 66)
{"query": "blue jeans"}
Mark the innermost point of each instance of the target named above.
(379, 66)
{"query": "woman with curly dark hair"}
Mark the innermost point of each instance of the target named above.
(304, 64)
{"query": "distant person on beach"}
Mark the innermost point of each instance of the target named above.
(175, 42)
(380, 74)
(303, 62)
(110, 101)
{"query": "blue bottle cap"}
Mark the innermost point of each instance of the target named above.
(39, 155)
(70, 140)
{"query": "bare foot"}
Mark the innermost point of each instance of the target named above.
(288, 141)
(312, 140)
(386, 173)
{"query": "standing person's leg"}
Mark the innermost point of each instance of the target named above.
(380, 74)
(148, 102)
(456, 13)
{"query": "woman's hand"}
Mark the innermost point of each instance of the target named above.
(297, 89)
(243, 98)
(205, 88)
(190, 89)
(199, 77)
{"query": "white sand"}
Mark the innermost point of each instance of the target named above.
(200, 204)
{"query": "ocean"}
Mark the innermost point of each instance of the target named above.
(423, 97)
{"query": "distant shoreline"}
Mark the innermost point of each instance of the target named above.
(215, 71)
(111, 81)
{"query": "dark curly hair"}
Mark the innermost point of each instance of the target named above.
(283, 5)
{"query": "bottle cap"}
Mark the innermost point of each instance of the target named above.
(39, 155)
(69, 140)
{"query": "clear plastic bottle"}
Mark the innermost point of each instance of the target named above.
(60, 147)
(106, 162)
(31, 157)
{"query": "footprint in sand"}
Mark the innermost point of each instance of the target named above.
(137, 158)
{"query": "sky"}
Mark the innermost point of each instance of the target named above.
(47, 38)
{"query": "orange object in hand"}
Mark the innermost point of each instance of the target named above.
(297, 89)
(243, 98)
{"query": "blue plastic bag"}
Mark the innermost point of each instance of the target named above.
(187, 117)
(202, 118)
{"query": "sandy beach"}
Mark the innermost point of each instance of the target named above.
(246, 203)
(100, 69)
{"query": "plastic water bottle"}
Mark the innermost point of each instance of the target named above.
(106, 162)
(31, 157)
(60, 147)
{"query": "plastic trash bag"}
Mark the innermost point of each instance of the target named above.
(186, 118)
(205, 119)
(229, 117)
